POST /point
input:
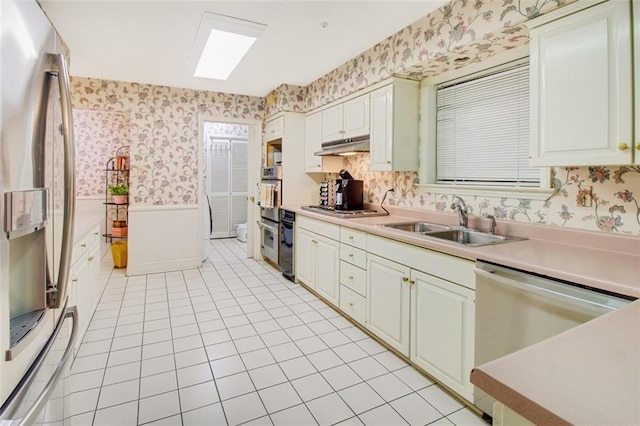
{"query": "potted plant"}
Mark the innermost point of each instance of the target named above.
(119, 193)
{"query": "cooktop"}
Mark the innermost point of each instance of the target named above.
(346, 214)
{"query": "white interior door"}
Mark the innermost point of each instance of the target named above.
(226, 185)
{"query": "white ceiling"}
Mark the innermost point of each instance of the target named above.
(151, 41)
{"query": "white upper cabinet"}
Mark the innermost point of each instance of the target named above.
(394, 126)
(581, 75)
(274, 129)
(313, 143)
(349, 119)
(636, 74)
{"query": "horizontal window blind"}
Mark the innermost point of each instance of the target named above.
(482, 132)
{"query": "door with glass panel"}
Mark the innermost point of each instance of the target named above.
(226, 185)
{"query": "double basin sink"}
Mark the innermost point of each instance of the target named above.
(464, 236)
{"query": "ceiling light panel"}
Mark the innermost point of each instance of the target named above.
(221, 43)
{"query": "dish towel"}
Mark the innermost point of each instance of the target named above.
(263, 194)
(271, 189)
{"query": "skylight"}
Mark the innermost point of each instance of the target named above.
(221, 43)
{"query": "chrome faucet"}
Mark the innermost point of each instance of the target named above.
(492, 226)
(463, 212)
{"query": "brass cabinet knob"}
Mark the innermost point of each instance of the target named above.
(83, 245)
(96, 233)
(350, 277)
(319, 165)
(252, 198)
(623, 146)
(638, 146)
(405, 279)
(90, 259)
(388, 161)
(351, 237)
(412, 282)
(350, 254)
(75, 280)
(351, 304)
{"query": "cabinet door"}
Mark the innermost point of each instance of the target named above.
(93, 276)
(332, 129)
(636, 61)
(581, 102)
(388, 301)
(304, 258)
(313, 143)
(356, 117)
(327, 261)
(442, 320)
(382, 129)
(274, 129)
(79, 280)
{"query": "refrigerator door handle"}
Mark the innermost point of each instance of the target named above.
(23, 387)
(60, 293)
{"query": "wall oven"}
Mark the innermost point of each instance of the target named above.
(270, 201)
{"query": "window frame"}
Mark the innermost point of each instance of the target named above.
(427, 170)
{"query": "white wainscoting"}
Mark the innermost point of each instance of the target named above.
(164, 238)
(92, 206)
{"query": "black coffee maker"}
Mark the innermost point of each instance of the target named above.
(348, 192)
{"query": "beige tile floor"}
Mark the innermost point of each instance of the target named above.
(235, 343)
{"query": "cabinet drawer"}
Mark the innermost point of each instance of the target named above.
(353, 237)
(320, 227)
(353, 255)
(450, 268)
(353, 277)
(353, 304)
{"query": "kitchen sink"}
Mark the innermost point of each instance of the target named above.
(463, 236)
(472, 238)
(416, 227)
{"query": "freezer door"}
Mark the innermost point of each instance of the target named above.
(39, 397)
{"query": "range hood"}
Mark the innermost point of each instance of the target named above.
(344, 146)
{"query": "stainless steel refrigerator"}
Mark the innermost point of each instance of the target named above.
(37, 193)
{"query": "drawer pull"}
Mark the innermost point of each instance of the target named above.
(90, 259)
(412, 282)
(405, 279)
(83, 245)
(350, 254)
(350, 304)
(351, 237)
(75, 280)
(350, 277)
(623, 146)
(96, 233)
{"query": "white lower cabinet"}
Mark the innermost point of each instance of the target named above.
(388, 301)
(318, 258)
(85, 285)
(418, 301)
(442, 315)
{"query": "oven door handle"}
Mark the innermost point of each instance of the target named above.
(545, 292)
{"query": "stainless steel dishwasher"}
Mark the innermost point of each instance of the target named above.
(516, 309)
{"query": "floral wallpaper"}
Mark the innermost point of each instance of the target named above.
(164, 131)
(286, 97)
(98, 134)
(591, 198)
(214, 130)
(461, 28)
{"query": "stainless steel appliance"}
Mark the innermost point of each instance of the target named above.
(287, 225)
(343, 214)
(271, 192)
(343, 146)
(37, 201)
(515, 309)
